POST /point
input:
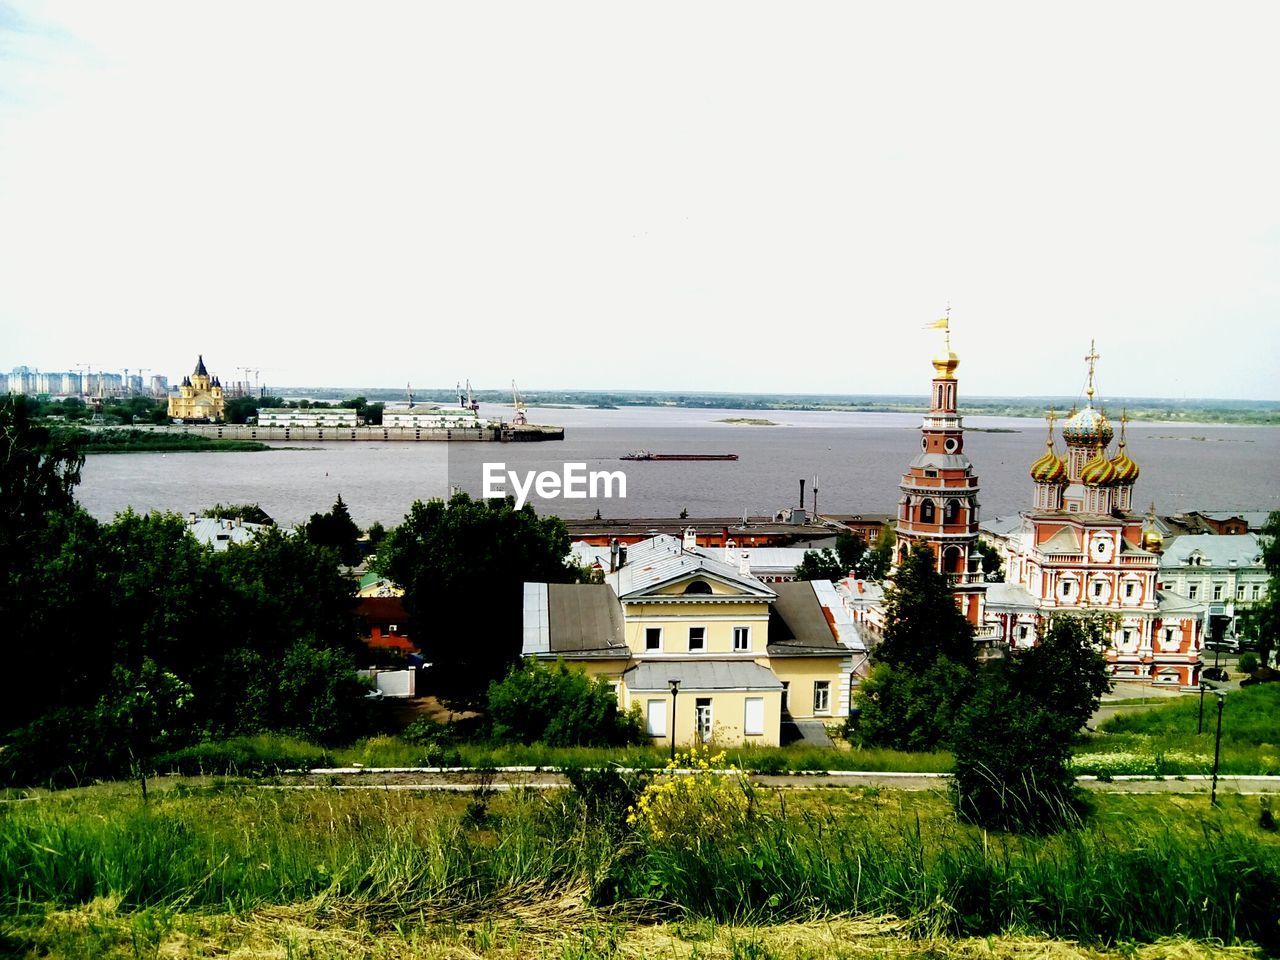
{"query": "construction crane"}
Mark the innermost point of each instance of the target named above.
(408, 394)
(472, 404)
(518, 402)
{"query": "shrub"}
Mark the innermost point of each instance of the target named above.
(606, 795)
(1247, 663)
(703, 805)
(559, 707)
(906, 708)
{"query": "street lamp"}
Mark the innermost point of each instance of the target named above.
(1200, 721)
(1217, 749)
(675, 689)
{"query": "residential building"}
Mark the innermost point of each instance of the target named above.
(385, 624)
(199, 397)
(221, 533)
(1225, 573)
(766, 564)
(1081, 549)
(426, 417)
(679, 630)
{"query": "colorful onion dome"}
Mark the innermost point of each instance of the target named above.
(1126, 470)
(1088, 427)
(1152, 538)
(1050, 468)
(1099, 471)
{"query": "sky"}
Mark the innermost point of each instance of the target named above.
(663, 196)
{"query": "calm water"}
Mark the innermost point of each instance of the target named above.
(858, 458)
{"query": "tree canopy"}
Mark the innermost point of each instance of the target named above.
(335, 530)
(463, 565)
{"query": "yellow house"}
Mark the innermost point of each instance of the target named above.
(199, 396)
(707, 651)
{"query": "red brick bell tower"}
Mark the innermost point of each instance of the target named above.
(939, 502)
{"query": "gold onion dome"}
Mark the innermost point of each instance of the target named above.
(1152, 539)
(1126, 470)
(945, 363)
(1087, 427)
(1099, 471)
(1050, 468)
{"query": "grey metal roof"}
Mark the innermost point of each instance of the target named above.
(1001, 526)
(660, 560)
(1168, 602)
(1244, 550)
(572, 619)
(700, 675)
(943, 461)
(796, 619)
(221, 533)
(1010, 595)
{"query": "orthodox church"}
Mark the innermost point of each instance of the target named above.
(199, 396)
(1081, 549)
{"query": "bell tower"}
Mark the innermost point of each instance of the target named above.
(939, 502)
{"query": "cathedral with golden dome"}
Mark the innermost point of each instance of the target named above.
(1082, 549)
(199, 397)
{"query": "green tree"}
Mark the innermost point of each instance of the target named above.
(820, 565)
(1013, 739)
(248, 512)
(1260, 621)
(38, 475)
(875, 563)
(992, 565)
(335, 530)
(924, 664)
(559, 706)
(465, 562)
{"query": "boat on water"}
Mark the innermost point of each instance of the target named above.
(646, 455)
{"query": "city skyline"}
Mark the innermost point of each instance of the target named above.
(723, 198)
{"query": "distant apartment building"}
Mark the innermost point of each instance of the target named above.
(22, 380)
(336, 419)
(159, 386)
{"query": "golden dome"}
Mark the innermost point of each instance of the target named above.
(1152, 539)
(1099, 471)
(1050, 468)
(1126, 470)
(944, 365)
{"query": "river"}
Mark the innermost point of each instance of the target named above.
(857, 457)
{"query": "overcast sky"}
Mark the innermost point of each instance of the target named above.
(686, 196)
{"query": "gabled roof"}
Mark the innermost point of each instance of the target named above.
(660, 561)
(808, 619)
(1010, 595)
(1066, 540)
(1001, 526)
(572, 620)
(1168, 602)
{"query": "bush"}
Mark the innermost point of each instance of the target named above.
(906, 708)
(701, 806)
(244, 756)
(606, 795)
(1247, 663)
(561, 708)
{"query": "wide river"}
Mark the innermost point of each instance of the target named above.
(857, 457)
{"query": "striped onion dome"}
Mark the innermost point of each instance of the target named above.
(1050, 468)
(1098, 472)
(1087, 427)
(1126, 470)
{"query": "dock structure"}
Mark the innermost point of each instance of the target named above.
(487, 432)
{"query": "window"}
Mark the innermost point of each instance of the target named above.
(698, 587)
(697, 638)
(1217, 591)
(1256, 592)
(753, 720)
(741, 638)
(1022, 632)
(702, 718)
(822, 696)
(1168, 634)
(653, 638)
(1192, 590)
(1097, 588)
(1240, 592)
(1066, 588)
(1128, 589)
(927, 512)
(656, 718)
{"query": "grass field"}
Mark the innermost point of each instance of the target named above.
(323, 873)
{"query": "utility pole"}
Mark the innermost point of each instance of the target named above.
(1217, 750)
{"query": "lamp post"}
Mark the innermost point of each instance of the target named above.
(1200, 721)
(1217, 749)
(675, 690)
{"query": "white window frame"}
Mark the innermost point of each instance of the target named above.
(658, 648)
(745, 634)
(704, 731)
(701, 648)
(822, 696)
(655, 709)
(750, 728)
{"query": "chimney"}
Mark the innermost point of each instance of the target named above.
(690, 539)
(729, 546)
(191, 517)
(613, 554)
(622, 556)
(802, 494)
(744, 563)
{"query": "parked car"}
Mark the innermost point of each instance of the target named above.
(1226, 645)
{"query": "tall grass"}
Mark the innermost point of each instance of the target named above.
(1150, 870)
